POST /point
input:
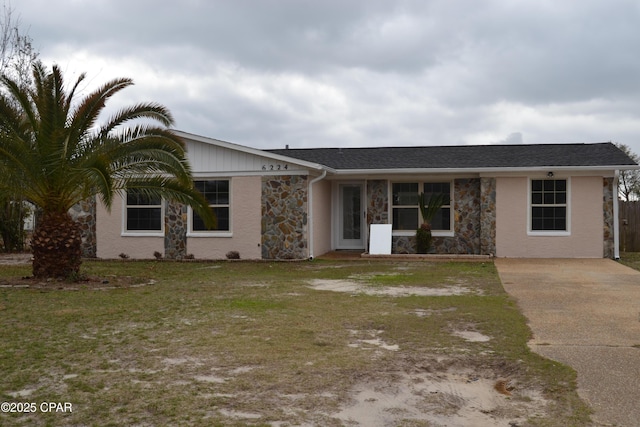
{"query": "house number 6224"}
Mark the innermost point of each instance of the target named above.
(275, 167)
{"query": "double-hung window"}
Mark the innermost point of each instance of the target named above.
(405, 206)
(549, 205)
(442, 218)
(218, 196)
(143, 212)
(405, 209)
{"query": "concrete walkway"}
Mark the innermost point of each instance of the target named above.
(585, 313)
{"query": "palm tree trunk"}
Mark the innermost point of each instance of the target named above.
(57, 246)
(423, 239)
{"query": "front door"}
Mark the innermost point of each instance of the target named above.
(351, 231)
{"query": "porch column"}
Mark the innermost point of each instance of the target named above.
(377, 203)
(84, 213)
(487, 216)
(284, 217)
(175, 230)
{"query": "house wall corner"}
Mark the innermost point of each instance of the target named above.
(84, 213)
(608, 214)
(487, 216)
(175, 230)
(284, 217)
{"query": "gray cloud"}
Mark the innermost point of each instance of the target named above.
(363, 72)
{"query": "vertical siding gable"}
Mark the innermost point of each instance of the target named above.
(212, 158)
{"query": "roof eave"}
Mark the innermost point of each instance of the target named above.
(408, 171)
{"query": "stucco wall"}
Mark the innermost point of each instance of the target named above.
(245, 225)
(109, 240)
(244, 237)
(586, 221)
(321, 217)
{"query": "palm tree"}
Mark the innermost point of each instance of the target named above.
(55, 153)
(428, 209)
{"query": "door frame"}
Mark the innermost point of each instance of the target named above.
(338, 242)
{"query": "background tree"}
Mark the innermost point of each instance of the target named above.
(16, 56)
(629, 186)
(58, 154)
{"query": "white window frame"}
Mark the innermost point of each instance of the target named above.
(141, 233)
(212, 233)
(437, 233)
(549, 233)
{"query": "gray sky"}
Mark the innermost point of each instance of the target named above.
(320, 73)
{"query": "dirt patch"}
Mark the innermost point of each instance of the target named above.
(471, 336)
(95, 283)
(15, 259)
(353, 287)
(372, 340)
(440, 395)
(450, 398)
(85, 282)
(429, 312)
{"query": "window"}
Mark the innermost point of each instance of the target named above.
(549, 205)
(217, 194)
(442, 219)
(405, 206)
(144, 213)
(405, 210)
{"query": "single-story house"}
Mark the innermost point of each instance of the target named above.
(548, 200)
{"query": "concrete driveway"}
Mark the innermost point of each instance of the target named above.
(585, 313)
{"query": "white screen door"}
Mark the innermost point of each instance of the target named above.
(351, 217)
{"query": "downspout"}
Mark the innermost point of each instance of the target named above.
(616, 220)
(310, 213)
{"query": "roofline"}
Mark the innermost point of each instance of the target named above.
(320, 167)
(249, 150)
(403, 171)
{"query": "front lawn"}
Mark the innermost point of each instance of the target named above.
(325, 343)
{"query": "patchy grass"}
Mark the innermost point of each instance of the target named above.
(243, 343)
(631, 259)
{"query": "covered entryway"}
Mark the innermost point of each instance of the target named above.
(585, 313)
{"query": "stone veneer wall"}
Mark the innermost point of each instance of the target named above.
(466, 240)
(284, 217)
(84, 213)
(488, 216)
(175, 230)
(607, 208)
(377, 202)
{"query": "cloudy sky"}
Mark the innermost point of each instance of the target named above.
(320, 73)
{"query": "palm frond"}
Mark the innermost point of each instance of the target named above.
(144, 149)
(150, 111)
(85, 115)
(169, 188)
(49, 145)
(430, 206)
